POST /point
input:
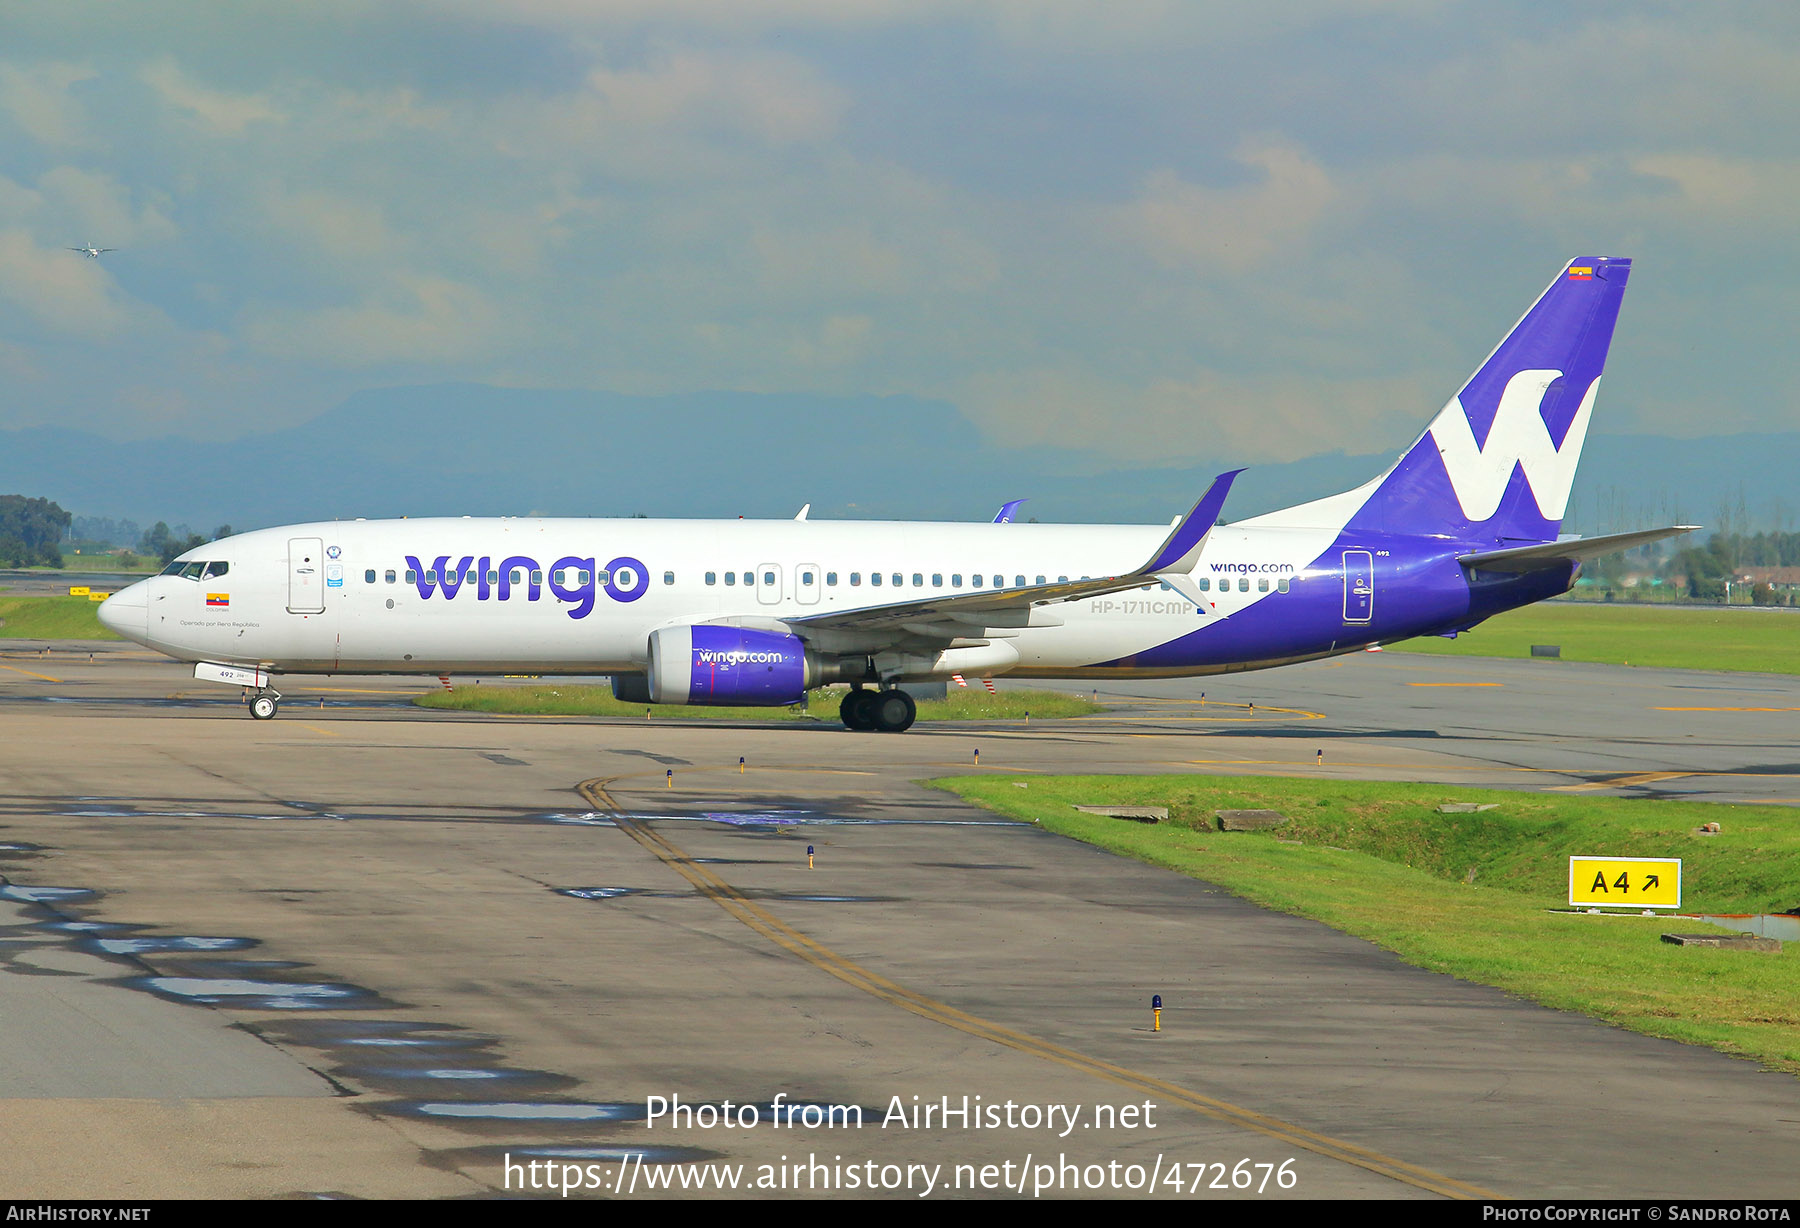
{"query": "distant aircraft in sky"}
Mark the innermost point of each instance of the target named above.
(1462, 527)
(93, 253)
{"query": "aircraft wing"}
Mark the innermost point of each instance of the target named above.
(950, 616)
(1550, 554)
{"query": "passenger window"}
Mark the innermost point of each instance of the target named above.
(874, 578)
(412, 577)
(1281, 585)
(515, 576)
(493, 577)
(214, 570)
(768, 577)
(1262, 586)
(1243, 584)
(937, 579)
(831, 579)
(1205, 584)
(956, 580)
(369, 576)
(712, 577)
(899, 579)
(730, 579)
(1040, 579)
(1165, 586)
(582, 577)
(1000, 581)
(390, 577)
(806, 577)
(856, 579)
(668, 577)
(603, 578)
(919, 580)
(431, 577)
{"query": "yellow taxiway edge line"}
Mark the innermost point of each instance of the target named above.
(855, 975)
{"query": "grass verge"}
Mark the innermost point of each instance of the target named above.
(570, 700)
(52, 618)
(1679, 637)
(1377, 861)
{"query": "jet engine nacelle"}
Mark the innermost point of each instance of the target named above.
(712, 664)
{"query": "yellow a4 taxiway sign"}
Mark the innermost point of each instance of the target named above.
(1625, 882)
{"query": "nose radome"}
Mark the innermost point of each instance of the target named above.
(126, 612)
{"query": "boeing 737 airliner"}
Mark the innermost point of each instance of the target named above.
(1462, 527)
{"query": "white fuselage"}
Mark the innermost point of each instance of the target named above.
(369, 597)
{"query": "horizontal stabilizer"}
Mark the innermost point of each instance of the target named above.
(1549, 554)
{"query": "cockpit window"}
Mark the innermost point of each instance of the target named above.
(215, 569)
(192, 571)
(173, 569)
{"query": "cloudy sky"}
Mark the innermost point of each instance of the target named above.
(1156, 231)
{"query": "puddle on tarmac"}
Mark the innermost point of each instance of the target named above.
(760, 819)
(256, 995)
(596, 893)
(522, 1110)
(749, 893)
(45, 895)
(494, 1156)
(166, 946)
(86, 927)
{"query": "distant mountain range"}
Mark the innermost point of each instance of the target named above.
(465, 449)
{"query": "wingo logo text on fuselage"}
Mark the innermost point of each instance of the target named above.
(623, 579)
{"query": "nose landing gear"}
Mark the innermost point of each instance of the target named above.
(264, 704)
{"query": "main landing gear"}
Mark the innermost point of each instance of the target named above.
(265, 704)
(885, 711)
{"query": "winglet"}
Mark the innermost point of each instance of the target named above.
(1008, 511)
(803, 511)
(1181, 549)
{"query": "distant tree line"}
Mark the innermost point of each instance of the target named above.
(31, 532)
(99, 533)
(105, 531)
(1709, 568)
(165, 543)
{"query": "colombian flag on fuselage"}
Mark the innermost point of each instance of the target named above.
(218, 599)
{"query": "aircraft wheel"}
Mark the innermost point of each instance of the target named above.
(860, 714)
(851, 710)
(263, 707)
(894, 711)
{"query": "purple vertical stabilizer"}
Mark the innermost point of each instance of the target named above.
(1496, 465)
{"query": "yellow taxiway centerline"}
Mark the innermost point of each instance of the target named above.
(855, 975)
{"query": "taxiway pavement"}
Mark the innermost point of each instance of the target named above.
(365, 949)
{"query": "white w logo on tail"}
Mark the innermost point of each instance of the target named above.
(1518, 437)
